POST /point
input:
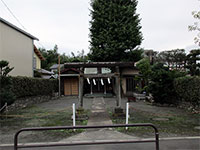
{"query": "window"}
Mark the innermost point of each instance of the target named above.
(34, 63)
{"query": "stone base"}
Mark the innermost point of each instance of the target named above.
(118, 110)
(80, 114)
(119, 113)
(131, 99)
(80, 110)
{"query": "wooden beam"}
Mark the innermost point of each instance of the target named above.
(98, 64)
(69, 75)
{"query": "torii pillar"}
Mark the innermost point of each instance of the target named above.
(81, 84)
(118, 87)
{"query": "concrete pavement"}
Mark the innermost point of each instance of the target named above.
(180, 144)
(98, 115)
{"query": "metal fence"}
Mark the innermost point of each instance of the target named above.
(17, 146)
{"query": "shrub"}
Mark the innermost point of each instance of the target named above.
(26, 86)
(161, 85)
(6, 94)
(145, 72)
(188, 89)
(37, 74)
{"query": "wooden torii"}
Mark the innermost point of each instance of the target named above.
(115, 67)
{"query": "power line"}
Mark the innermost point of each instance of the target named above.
(17, 19)
(42, 46)
(12, 14)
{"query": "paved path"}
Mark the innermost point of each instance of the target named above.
(98, 115)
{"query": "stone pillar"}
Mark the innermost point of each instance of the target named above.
(118, 87)
(81, 85)
(91, 92)
(118, 91)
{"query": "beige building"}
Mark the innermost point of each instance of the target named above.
(37, 58)
(17, 47)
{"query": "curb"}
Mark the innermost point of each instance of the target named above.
(160, 139)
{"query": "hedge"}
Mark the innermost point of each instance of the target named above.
(188, 89)
(26, 86)
(6, 93)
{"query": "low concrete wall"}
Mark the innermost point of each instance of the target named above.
(27, 101)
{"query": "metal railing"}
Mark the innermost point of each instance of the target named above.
(16, 146)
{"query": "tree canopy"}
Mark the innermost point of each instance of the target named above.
(193, 64)
(174, 59)
(51, 57)
(115, 30)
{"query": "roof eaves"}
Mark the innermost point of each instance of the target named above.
(38, 53)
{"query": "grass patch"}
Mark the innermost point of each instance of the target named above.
(36, 117)
(176, 125)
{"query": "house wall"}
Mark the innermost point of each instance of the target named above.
(129, 71)
(38, 62)
(1, 47)
(16, 48)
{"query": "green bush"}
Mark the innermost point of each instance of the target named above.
(161, 84)
(26, 86)
(188, 89)
(6, 93)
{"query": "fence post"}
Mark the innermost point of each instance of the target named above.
(127, 113)
(74, 114)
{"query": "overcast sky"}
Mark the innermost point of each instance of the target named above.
(66, 22)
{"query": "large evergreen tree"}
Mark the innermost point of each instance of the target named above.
(115, 30)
